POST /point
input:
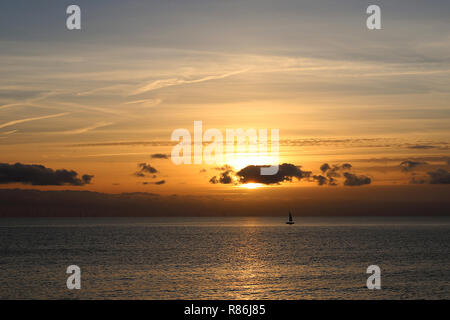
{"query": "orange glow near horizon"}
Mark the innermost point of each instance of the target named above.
(252, 185)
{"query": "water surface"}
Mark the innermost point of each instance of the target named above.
(225, 258)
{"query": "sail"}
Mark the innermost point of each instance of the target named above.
(290, 216)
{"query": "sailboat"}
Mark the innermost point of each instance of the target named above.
(290, 219)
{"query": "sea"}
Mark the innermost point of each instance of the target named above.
(225, 258)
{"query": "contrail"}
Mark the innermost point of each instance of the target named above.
(158, 84)
(7, 124)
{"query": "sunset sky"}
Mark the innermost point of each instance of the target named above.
(103, 100)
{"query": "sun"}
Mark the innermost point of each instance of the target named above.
(252, 185)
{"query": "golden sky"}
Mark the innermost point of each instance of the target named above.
(103, 100)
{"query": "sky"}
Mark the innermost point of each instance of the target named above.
(94, 109)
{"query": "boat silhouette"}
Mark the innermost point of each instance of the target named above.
(290, 219)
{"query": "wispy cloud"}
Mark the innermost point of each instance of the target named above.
(86, 129)
(31, 101)
(9, 105)
(156, 143)
(146, 102)
(11, 123)
(108, 89)
(158, 84)
(9, 132)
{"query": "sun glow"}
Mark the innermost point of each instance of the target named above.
(251, 185)
(240, 160)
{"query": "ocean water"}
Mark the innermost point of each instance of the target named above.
(225, 258)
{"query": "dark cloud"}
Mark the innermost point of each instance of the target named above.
(409, 165)
(354, 180)
(225, 177)
(334, 171)
(157, 182)
(440, 176)
(86, 178)
(321, 180)
(325, 167)
(346, 166)
(332, 182)
(202, 170)
(286, 172)
(39, 175)
(331, 172)
(421, 146)
(144, 169)
(224, 168)
(214, 180)
(147, 168)
(159, 156)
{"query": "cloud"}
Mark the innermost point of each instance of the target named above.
(11, 123)
(145, 168)
(214, 180)
(325, 167)
(421, 146)
(354, 180)
(346, 166)
(332, 172)
(157, 182)
(108, 89)
(39, 175)
(397, 159)
(286, 172)
(86, 129)
(224, 168)
(440, 176)
(159, 156)
(321, 180)
(409, 165)
(164, 143)
(225, 177)
(146, 102)
(158, 84)
(8, 132)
